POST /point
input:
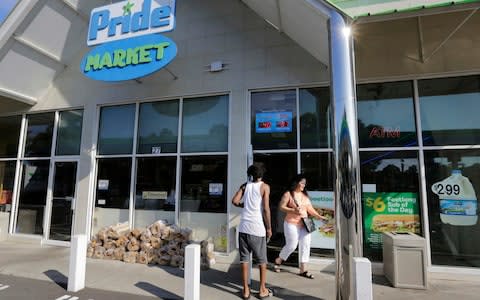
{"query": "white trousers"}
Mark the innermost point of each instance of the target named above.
(296, 235)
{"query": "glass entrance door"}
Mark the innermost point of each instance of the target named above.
(63, 201)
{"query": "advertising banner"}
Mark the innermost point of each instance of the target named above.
(387, 212)
(324, 236)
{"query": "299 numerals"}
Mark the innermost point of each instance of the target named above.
(447, 189)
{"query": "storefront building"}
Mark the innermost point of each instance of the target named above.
(79, 154)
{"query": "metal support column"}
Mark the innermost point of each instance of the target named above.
(347, 163)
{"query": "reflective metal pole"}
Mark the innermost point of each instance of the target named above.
(347, 190)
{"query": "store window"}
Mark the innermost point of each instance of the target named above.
(205, 124)
(116, 129)
(453, 183)
(386, 115)
(390, 197)
(273, 120)
(33, 195)
(203, 198)
(155, 190)
(449, 109)
(158, 127)
(112, 192)
(38, 141)
(7, 178)
(69, 132)
(10, 129)
(315, 118)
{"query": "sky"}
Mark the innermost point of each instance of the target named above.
(5, 8)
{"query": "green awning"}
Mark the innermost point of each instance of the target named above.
(363, 8)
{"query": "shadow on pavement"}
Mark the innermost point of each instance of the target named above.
(58, 278)
(230, 282)
(156, 291)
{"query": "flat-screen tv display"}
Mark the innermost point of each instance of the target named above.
(270, 122)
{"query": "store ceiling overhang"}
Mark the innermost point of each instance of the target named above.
(40, 39)
(304, 21)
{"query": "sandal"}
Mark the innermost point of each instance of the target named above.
(246, 297)
(269, 294)
(306, 274)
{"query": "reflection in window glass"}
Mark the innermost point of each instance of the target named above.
(317, 168)
(158, 127)
(113, 183)
(33, 194)
(204, 184)
(112, 196)
(7, 178)
(274, 120)
(279, 169)
(10, 129)
(386, 115)
(390, 196)
(155, 190)
(205, 124)
(116, 129)
(315, 114)
(449, 109)
(39, 135)
(453, 183)
(69, 133)
(203, 204)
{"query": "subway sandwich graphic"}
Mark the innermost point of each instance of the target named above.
(399, 223)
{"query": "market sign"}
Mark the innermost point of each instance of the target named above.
(127, 42)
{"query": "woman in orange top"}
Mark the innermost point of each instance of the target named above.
(296, 204)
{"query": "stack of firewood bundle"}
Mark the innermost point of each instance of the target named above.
(160, 243)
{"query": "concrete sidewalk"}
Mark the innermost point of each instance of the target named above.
(50, 263)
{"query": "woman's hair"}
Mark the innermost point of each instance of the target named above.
(295, 181)
(255, 171)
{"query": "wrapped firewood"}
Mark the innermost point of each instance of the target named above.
(143, 258)
(156, 242)
(95, 242)
(90, 251)
(145, 246)
(167, 233)
(122, 242)
(118, 253)
(99, 252)
(146, 235)
(110, 244)
(102, 234)
(176, 261)
(130, 257)
(109, 254)
(186, 234)
(134, 233)
(133, 245)
(116, 231)
(163, 260)
(157, 227)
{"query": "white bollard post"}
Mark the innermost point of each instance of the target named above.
(78, 262)
(192, 272)
(362, 279)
